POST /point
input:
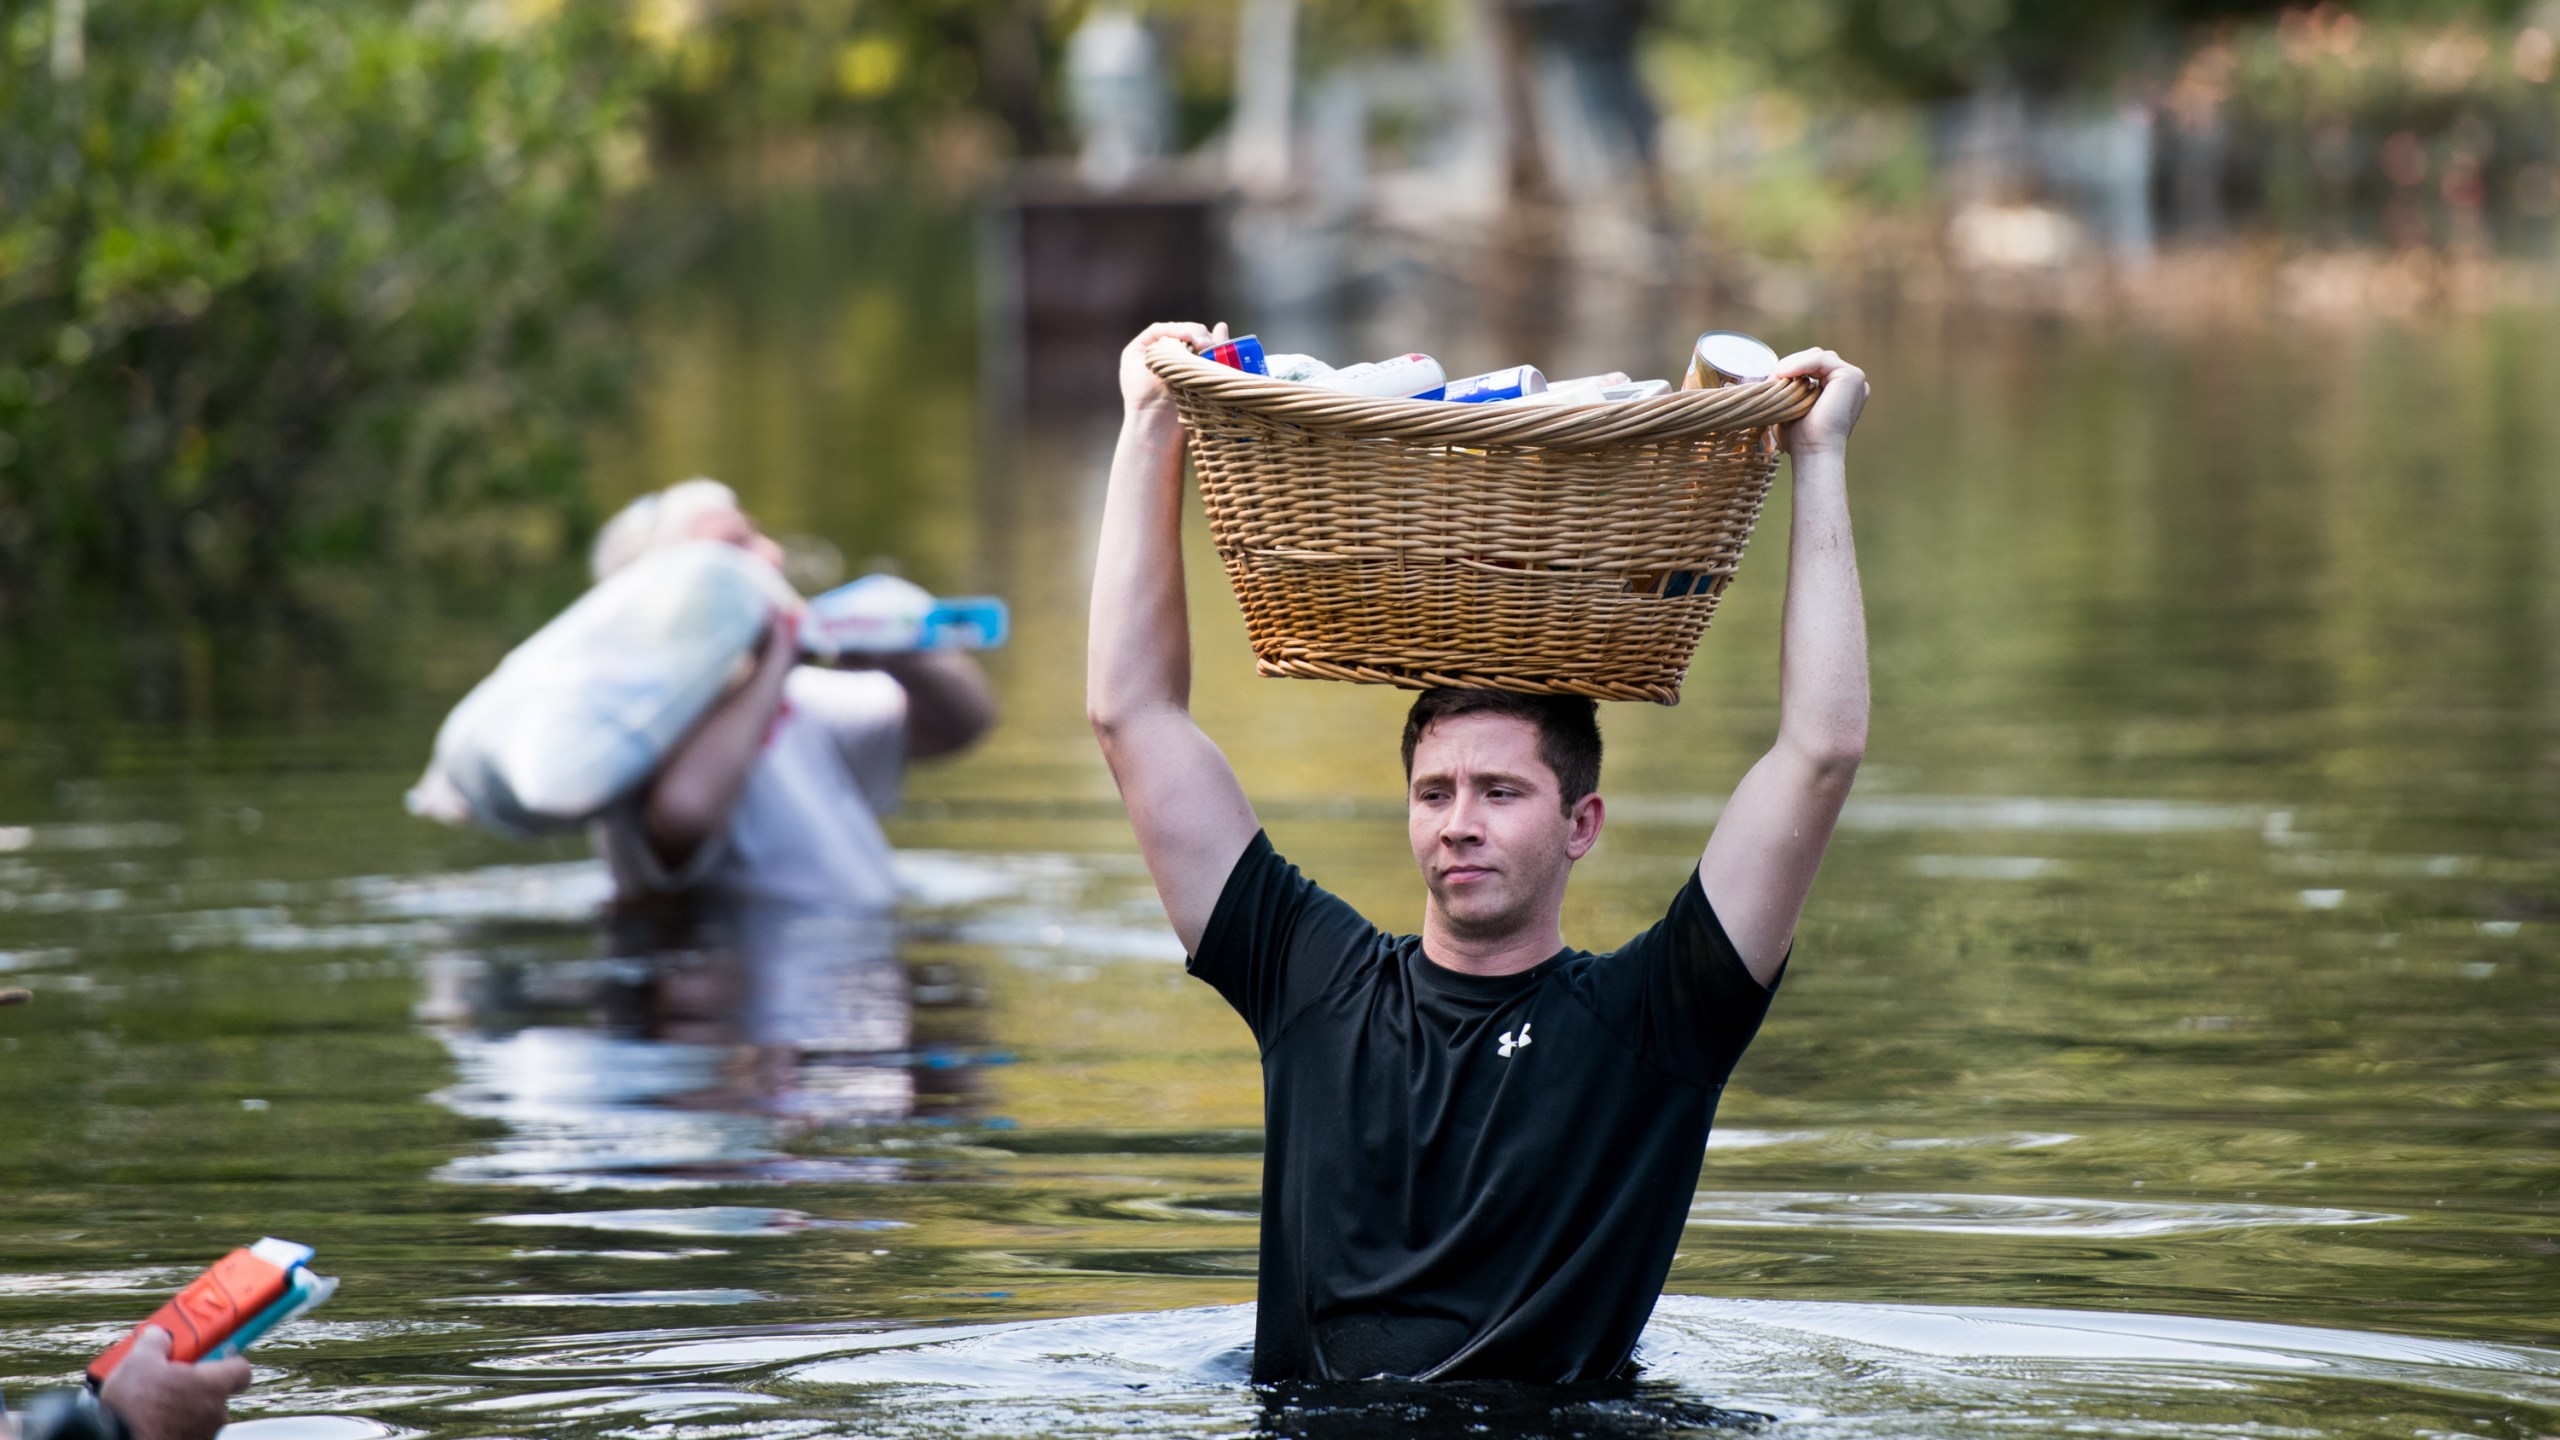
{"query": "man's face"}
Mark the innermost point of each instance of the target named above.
(1489, 830)
(735, 527)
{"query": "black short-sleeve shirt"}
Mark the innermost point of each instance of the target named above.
(1469, 1176)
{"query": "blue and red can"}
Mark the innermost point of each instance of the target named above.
(1242, 353)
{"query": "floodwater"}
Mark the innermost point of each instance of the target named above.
(2169, 1050)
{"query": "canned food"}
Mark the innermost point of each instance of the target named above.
(1242, 353)
(1728, 357)
(1508, 384)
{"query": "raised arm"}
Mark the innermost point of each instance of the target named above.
(950, 706)
(1760, 862)
(1190, 813)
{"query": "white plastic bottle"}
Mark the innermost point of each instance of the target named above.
(883, 615)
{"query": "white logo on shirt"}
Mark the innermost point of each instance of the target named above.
(1510, 1044)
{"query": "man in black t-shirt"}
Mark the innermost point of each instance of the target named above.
(1480, 1143)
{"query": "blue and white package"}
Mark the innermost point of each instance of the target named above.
(1505, 384)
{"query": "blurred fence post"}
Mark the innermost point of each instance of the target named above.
(68, 53)
(1116, 88)
(1259, 158)
(1067, 274)
(1526, 182)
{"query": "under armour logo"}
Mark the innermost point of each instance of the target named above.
(1511, 1043)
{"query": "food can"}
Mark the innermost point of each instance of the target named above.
(1242, 353)
(1728, 357)
(1508, 384)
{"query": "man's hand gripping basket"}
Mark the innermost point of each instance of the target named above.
(1574, 550)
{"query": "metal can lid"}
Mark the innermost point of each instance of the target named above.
(1739, 358)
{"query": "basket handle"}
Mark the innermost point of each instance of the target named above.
(1678, 415)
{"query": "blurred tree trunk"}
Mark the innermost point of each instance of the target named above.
(1527, 185)
(69, 53)
(1527, 282)
(1259, 153)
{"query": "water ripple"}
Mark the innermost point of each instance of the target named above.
(721, 1221)
(2032, 1215)
(560, 892)
(140, 1280)
(614, 1297)
(1827, 1369)
(312, 1427)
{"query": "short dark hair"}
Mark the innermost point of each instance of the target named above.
(1568, 730)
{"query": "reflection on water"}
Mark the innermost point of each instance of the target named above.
(699, 1047)
(2169, 1048)
(310, 1427)
(710, 1221)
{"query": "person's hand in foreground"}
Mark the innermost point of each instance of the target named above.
(1825, 429)
(163, 1399)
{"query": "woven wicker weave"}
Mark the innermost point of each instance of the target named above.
(1575, 550)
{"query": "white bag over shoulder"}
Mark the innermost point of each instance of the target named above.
(582, 713)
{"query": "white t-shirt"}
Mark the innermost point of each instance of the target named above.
(807, 827)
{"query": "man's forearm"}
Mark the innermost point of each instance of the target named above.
(1760, 862)
(1822, 698)
(949, 704)
(691, 797)
(1139, 651)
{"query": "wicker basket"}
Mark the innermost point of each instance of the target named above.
(1571, 550)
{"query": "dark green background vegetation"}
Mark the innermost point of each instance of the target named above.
(294, 283)
(276, 277)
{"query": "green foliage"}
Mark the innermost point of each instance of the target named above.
(279, 276)
(899, 69)
(896, 69)
(2437, 122)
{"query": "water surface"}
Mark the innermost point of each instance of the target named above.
(2169, 1047)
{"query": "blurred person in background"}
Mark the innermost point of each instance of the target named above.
(777, 794)
(149, 1397)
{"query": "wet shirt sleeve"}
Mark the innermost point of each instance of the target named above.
(1277, 940)
(1680, 993)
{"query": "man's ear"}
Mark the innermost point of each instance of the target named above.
(1587, 815)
